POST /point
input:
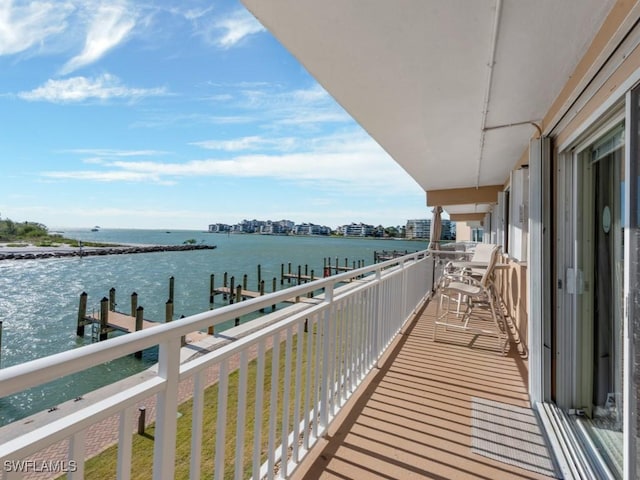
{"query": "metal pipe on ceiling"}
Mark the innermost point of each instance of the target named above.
(487, 93)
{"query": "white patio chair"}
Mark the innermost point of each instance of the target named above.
(457, 270)
(477, 293)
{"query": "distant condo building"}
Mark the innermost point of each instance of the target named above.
(418, 228)
(357, 230)
(270, 227)
(311, 229)
(219, 228)
(282, 227)
(421, 228)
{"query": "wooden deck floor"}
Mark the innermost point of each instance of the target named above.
(413, 416)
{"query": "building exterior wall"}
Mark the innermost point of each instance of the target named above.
(463, 232)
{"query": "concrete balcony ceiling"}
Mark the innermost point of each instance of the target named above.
(430, 80)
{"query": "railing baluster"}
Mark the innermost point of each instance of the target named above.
(298, 389)
(308, 382)
(273, 405)
(164, 449)
(286, 404)
(197, 419)
(343, 335)
(377, 315)
(125, 440)
(242, 408)
(257, 439)
(353, 347)
(77, 454)
(221, 423)
(325, 389)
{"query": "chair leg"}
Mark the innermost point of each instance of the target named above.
(501, 334)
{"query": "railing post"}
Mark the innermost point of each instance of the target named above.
(164, 449)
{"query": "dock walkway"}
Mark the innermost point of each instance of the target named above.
(118, 321)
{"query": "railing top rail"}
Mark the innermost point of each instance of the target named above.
(20, 377)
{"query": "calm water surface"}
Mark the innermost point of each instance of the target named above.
(39, 298)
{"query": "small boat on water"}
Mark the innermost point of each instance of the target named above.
(95, 229)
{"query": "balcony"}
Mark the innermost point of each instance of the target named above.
(326, 388)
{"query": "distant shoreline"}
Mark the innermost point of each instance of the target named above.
(31, 252)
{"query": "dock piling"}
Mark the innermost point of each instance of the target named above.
(259, 275)
(273, 289)
(104, 317)
(82, 313)
(211, 288)
(224, 284)
(232, 289)
(139, 318)
(310, 294)
(172, 281)
(141, 419)
(239, 299)
(112, 299)
(261, 290)
(134, 304)
(168, 311)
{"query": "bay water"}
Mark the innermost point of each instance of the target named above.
(39, 298)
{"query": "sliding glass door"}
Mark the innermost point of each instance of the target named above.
(632, 291)
(600, 312)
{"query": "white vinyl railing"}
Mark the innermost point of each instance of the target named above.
(302, 368)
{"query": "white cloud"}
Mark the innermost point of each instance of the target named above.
(109, 27)
(106, 152)
(78, 89)
(236, 27)
(110, 176)
(26, 25)
(196, 13)
(348, 162)
(300, 107)
(248, 143)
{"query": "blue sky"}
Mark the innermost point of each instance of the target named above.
(164, 114)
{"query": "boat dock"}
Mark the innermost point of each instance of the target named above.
(385, 255)
(108, 320)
